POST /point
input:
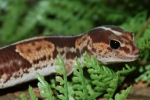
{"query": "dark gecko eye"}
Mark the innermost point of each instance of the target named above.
(114, 44)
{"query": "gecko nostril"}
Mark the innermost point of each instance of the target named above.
(136, 52)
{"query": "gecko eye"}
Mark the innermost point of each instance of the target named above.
(114, 44)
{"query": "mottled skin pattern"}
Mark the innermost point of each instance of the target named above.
(19, 62)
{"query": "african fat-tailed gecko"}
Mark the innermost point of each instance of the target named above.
(19, 62)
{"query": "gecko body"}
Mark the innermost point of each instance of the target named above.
(20, 61)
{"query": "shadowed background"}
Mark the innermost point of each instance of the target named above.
(20, 19)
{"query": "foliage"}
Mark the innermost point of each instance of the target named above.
(145, 76)
(27, 18)
(143, 43)
(79, 84)
(123, 95)
(44, 88)
(23, 97)
(32, 95)
(63, 89)
(98, 81)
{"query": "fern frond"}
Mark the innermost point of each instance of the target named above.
(79, 84)
(144, 37)
(23, 97)
(101, 76)
(145, 44)
(32, 95)
(145, 76)
(112, 88)
(63, 87)
(124, 94)
(44, 87)
(126, 70)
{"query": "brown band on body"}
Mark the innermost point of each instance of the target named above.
(62, 41)
(11, 62)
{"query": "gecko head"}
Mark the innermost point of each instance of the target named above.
(111, 44)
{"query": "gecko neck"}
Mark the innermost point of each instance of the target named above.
(65, 46)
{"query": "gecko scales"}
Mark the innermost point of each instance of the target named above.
(20, 61)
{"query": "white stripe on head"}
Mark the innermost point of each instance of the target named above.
(109, 29)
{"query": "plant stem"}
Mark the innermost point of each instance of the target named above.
(143, 29)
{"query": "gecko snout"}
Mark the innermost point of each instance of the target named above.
(136, 52)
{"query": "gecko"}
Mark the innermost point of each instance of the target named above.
(20, 61)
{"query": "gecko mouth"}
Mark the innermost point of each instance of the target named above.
(119, 59)
(132, 57)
